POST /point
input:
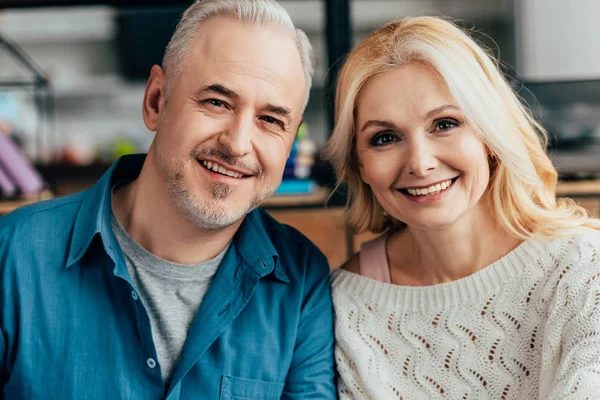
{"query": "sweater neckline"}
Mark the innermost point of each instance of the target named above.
(475, 287)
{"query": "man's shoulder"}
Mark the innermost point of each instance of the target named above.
(30, 221)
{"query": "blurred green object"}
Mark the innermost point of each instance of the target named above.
(302, 132)
(123, 147)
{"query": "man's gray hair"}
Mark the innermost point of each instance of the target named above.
(250, 11)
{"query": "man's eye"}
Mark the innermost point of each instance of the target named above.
(446, 124)
(215, 102)
(383, 139)
(270, 120)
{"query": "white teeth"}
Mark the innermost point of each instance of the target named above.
(217, 168)
(433, 189)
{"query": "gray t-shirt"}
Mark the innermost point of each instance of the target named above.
(170, 292)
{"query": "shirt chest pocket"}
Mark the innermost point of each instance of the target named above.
(233, 388)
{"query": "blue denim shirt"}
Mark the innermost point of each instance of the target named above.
(73, 326)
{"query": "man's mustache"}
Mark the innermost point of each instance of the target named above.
(256, 170)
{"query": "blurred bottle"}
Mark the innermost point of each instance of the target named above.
(17, 168)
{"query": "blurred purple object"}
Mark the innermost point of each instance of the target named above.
(18, 169)
(7, 188)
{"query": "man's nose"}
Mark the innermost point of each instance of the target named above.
(236, 139)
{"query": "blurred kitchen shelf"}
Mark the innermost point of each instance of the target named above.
(307, 14)
(561, 92)
(55, 172)
(317, 198)
(586, 188)
(46, 24)
(73, 3)
(66, 179)
(98, 86)
(577, 161)
(6, 206)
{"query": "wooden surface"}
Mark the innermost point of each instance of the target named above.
(324, 227)
(319, 197)
(8, 206)
(578, 188)
(592, 205)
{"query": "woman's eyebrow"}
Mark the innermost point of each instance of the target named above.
(378, 123)
(439, 109)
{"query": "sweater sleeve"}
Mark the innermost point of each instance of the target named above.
(571, 352)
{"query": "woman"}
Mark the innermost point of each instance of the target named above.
(483, 285)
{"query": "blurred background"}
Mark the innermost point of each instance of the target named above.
(73, 73)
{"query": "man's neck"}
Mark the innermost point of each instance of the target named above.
(150, 216)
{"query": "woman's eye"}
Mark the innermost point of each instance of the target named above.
(446, 124)
(383, 139)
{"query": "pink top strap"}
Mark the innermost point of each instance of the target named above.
(372, 260)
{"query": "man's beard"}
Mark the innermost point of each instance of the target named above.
(209, 213)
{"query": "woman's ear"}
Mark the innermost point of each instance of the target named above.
(154, 98)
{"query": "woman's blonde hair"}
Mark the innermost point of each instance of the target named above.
(522, 182)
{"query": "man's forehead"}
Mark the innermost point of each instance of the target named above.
(265, 52)
(249, 70)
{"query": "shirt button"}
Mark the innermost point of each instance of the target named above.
(264, 264)
(134, 295)
(151, 363)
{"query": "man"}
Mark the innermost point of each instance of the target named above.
(163, 280)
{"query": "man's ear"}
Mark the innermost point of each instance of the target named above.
(154, 98)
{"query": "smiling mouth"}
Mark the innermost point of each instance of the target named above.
(219, 169)
(431, 190)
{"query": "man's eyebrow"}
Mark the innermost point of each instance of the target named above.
(218, 89)
(378, 123)
(278, 110)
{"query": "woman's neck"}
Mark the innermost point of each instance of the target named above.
(429, 257)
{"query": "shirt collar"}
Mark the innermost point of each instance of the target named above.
(94, 213)
(256, 248)
(251, 240)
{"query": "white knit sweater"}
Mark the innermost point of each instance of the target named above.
(525, 327)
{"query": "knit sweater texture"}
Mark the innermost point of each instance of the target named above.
(525, 327)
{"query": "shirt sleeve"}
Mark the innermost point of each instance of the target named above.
(571, 357)
(3, 371)
(3, 344)
(311, 374)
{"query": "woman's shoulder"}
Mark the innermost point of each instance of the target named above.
(573, 259)
(353, 264)
(350, 267)
(570, 246)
